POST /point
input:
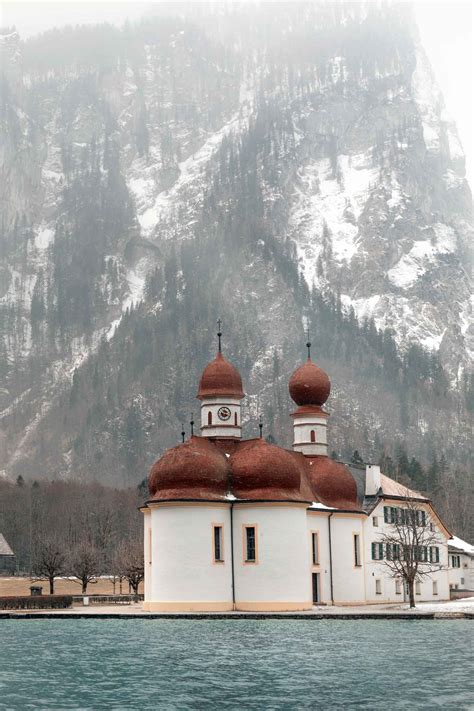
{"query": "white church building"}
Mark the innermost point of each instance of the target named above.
(242, 524)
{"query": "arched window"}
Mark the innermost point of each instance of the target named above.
(235, 419)
(313, 436)
(209, 418)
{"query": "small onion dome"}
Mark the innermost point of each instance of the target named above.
(263, 471)
(309, 385)
(193, 470)
(220, 379)
(332, 483)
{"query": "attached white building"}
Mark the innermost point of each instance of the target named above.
(235, 524)
(461, 566)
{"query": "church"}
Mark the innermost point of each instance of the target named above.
(243, 524)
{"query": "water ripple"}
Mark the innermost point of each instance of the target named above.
(174, 665)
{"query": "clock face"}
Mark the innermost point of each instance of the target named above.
(223, 413)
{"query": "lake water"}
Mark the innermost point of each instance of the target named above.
(236, 664)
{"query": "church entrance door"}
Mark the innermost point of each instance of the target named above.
(316, 595)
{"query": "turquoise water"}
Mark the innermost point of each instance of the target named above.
(236, 664)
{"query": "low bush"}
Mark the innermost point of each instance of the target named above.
(35, 602)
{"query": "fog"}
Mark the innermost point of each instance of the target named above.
(445, 30)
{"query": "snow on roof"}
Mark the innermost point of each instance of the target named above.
(4, 547)
(393, 488)
(319, 505)
(458, 543)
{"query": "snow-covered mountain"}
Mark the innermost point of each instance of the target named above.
(275, 165)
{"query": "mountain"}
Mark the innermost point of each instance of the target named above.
(277, 165)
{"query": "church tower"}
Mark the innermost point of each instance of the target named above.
(220, 392)
(309, 388)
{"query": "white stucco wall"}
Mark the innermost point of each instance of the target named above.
(302, 427)
(317, 522)
(348, 580)
(281, 574)
(182, 555)
(220, 428)
(147, 538)
(178, 540)
(378, 570)
(462, 577)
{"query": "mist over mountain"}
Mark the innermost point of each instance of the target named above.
(276, 165)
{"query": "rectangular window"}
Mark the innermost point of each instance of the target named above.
(357, 560)
(378, 587)
(392, 551)
(435, 587)
(421, 554)
(418, 588)
(398, 586)
(250, 545)
(375, 521)
(462, 581)
(420, 517)
(377, 551)
(218, 545)
(456, 561)
(315, 548)
(434, 554)
(149, 547)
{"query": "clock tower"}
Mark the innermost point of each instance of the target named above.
(220, 393)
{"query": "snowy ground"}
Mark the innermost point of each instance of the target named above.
(446, 608)
(464, 604)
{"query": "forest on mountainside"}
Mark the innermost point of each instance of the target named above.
(276, 175)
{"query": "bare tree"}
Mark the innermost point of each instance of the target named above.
(410, 547)
(49, 559)
(84, 564)
(130, 563)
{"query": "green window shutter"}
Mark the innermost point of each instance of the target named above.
(437, 554)
(385, 514)
(423, 518)
(373, 551)
(431, 555)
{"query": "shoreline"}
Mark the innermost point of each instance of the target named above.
(133, 614)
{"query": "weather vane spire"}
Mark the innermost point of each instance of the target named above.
(219, 333)
(308, 343)
(192, 423)
(183, 433)
(260, 426)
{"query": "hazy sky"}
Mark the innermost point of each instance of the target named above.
(445, 27)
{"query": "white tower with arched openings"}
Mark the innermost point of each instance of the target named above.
(220, 392)
(309, 388)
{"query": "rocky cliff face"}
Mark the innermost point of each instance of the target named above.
(299, 168)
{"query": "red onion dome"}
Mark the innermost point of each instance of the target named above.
(220, 379)
(193, 470)
(309, 385)
(264, 471)
(332, 483)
